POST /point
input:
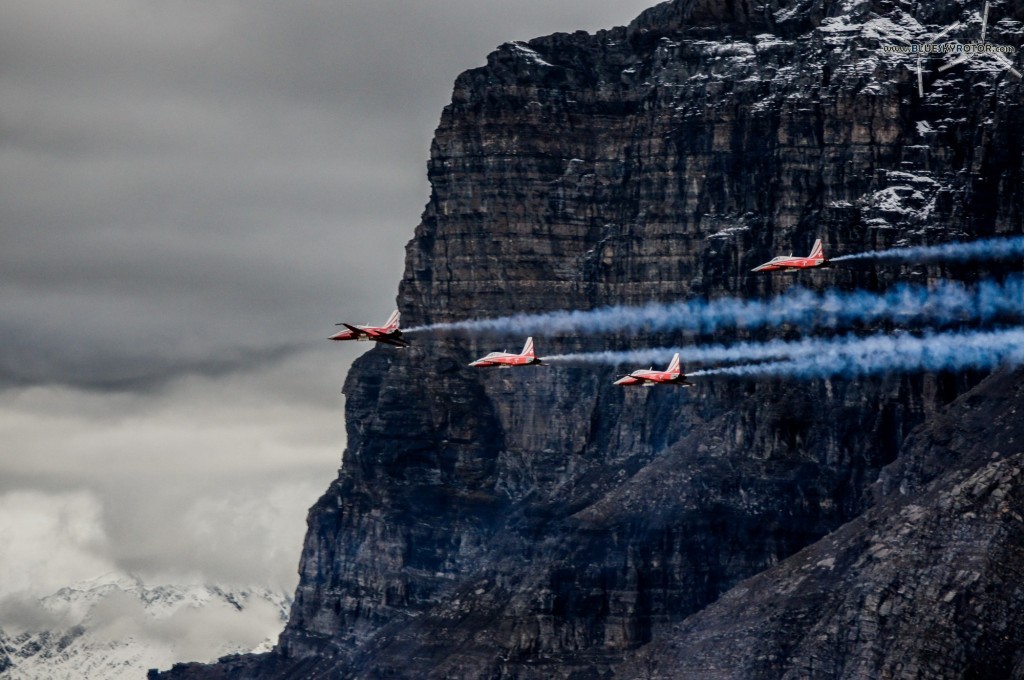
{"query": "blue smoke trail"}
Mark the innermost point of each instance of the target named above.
(894, 353)
(944, 303)
(985, 249)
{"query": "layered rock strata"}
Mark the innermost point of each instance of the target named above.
(926, 584)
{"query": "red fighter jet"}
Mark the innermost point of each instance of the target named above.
(792, 264)
(649, 377)
(507, 360)
(389, 333)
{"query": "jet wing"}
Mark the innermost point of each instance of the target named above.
(356, 330)
(387, 340)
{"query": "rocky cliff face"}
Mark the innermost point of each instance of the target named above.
(541, 523)
(925, 584)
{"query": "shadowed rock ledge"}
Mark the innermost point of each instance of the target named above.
(925, 584)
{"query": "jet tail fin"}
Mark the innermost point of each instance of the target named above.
(392, 322)
(528, 349)
(817, 252)
(673, 366)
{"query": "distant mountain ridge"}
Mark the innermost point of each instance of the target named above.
(116, 627)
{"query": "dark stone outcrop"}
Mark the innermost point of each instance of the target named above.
(542, 523)
(5, 658)
(928, 583)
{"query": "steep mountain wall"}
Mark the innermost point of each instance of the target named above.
(926, 584)
(541, 522)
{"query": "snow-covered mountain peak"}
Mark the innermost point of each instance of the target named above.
(116, 626)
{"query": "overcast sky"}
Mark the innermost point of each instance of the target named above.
(192, 193)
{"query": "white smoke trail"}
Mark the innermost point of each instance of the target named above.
(984, 249)
(943, 303)
(894, 353)
(741, 351)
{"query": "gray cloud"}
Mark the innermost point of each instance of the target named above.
(211, 476)
(20, 613)
(49, 539)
